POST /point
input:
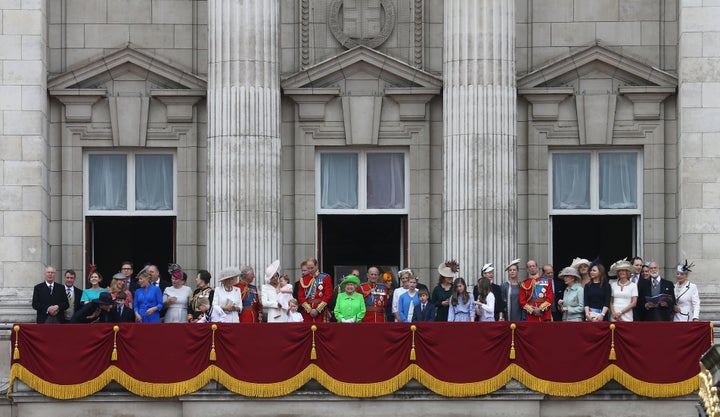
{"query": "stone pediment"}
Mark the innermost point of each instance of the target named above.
(591, 62)
(125, 81)
(362, 63)
(128, 64)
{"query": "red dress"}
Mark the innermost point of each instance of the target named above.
(315, 293)
(252, 308)
(536, 293)
(375, 302)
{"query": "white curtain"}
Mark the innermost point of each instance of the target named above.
(107, 178)
(339, 180)
(153, 182)
(571, 180)
(385, 180)
(618, 180)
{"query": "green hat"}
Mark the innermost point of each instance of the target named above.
(351, 278)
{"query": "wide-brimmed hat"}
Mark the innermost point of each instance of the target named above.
(569, 271)
(271, 270)
(449, 268)
(514, 262)
(228, 273)
(350, 279)
(621, 265)
(104, 298)
(487, 268)
(579, 261)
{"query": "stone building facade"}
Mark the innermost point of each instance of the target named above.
(392, 132)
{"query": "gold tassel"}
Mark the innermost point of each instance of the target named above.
(512, 341)
(16, 352)
(612, 343)
(213, 355)
(712, 336)
(313, 352)
(113, 357)
(412, 349)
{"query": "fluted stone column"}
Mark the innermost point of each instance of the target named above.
(243, 134)
(479, 196)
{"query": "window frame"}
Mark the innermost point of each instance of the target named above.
(130, 175)
(595, 182)
(362, 181)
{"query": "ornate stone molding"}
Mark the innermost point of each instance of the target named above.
(305, 33)
(546, 101)
(418, 33)
(337, 29)
(78, 102)
(647, 100)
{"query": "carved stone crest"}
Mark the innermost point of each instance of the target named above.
(361, 22)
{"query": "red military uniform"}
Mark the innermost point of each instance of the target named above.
(536, 293)
(375, 302)
(315, 292)
(252, 308)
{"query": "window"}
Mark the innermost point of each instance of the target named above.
(129, 183)
(595, 181)
(362, 182)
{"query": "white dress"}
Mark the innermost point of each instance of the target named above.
(622, 297)
(177, 311)
(269, 298)
(688, 300)
(487, 310)
(225, 298)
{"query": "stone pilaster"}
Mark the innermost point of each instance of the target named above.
(24, 207)
(243, 134)
(698, 200)
(479, 195)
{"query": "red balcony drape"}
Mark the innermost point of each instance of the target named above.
(359, 360)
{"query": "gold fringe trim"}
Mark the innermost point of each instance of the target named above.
(313, 352)
(412, 349)
(349, 389)
(612, 356)
(16, 351)
(113, 356)
(470, 389)
(354, 390)
(213, 355)
(512, 341)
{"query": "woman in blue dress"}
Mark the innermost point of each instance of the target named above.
(148, 300)
(461, 303)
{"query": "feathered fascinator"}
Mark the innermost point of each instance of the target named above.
(175, 271)
(685, 268)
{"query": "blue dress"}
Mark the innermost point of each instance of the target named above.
(145, 299)
(462, 312)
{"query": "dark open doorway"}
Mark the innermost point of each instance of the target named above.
(362, 240)
(609, 237)
(141, 240)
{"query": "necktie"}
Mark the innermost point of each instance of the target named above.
(51, 288)
(68, 291)
(121, 309)
(655, 282)
(422, 308)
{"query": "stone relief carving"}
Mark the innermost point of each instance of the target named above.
(418, 35)
(305, 33)
(363, 22)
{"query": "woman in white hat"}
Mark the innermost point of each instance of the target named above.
(572, 304)
(624, 292)
(269, 294)
(228, 296)
(582, 265)
(687, 299)
(444, 289)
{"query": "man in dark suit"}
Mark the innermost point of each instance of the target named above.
(156, 279)
(558, 290)
(426, 311)
(49, 299)
(656, 285)
(122, 313)
(73, 294)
